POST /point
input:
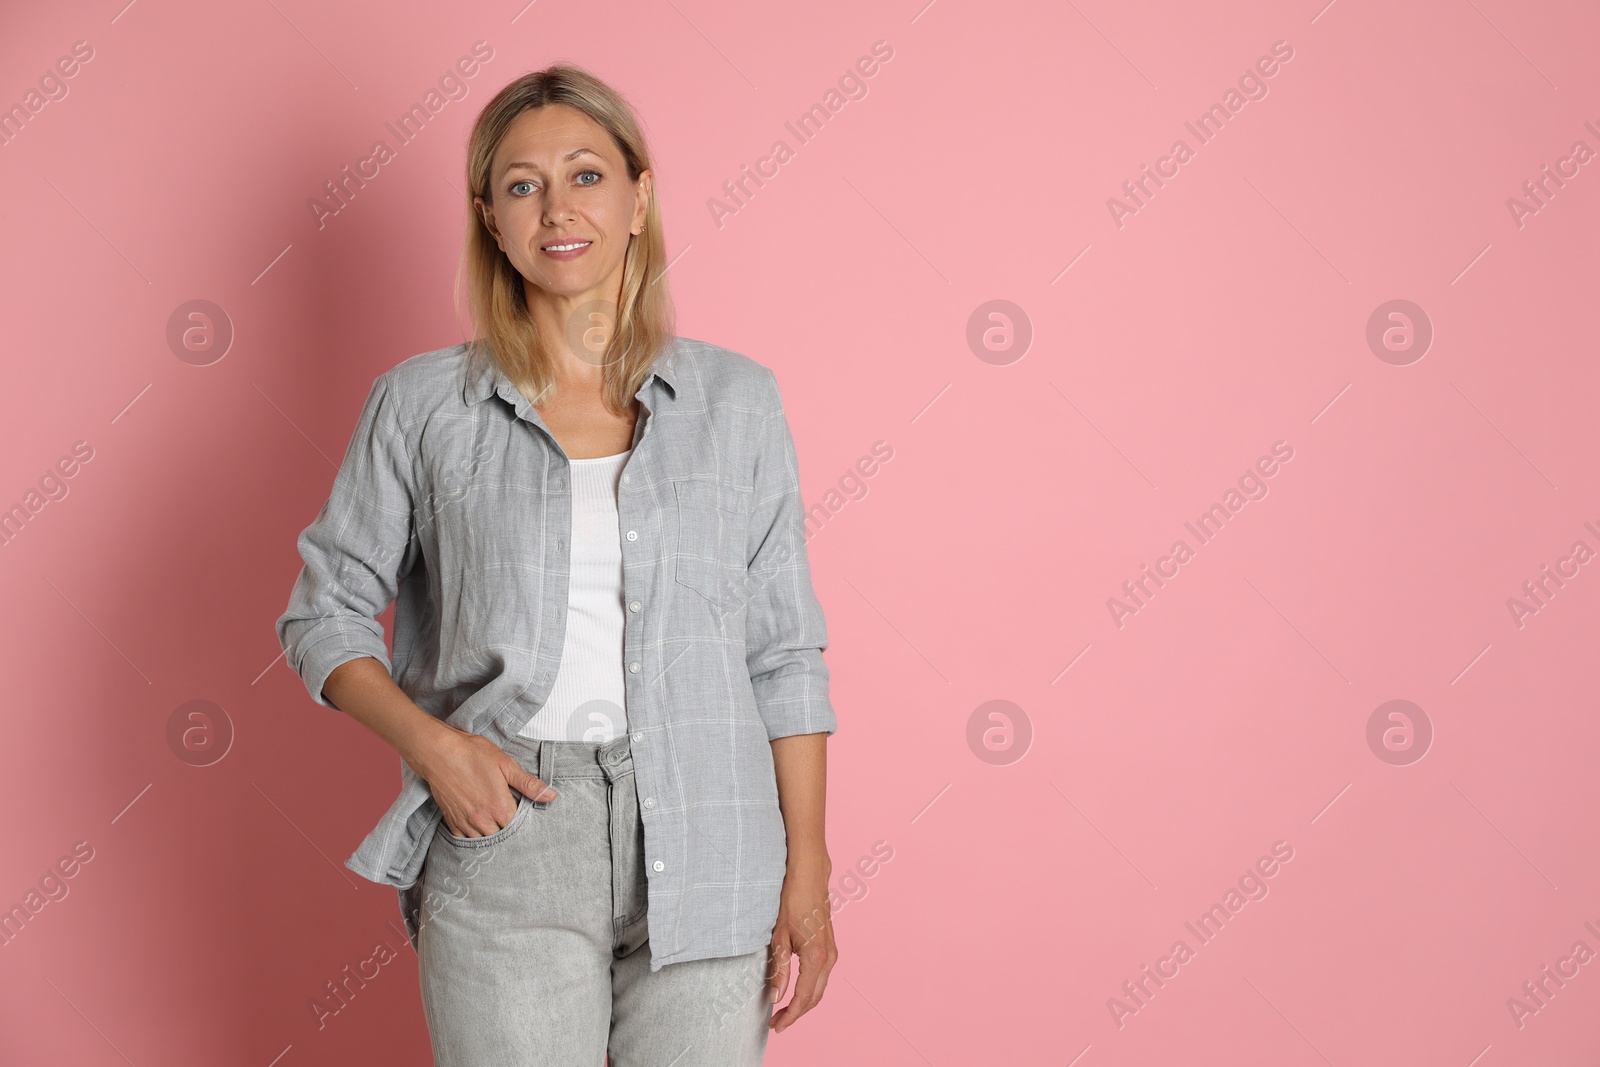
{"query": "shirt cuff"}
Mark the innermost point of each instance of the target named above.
(794, 698)
(346, 641)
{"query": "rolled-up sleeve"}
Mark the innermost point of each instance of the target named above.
(354, 552)
(785, 634)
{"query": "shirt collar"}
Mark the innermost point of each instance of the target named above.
(490, 379)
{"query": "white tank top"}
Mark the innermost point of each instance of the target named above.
(587, 702)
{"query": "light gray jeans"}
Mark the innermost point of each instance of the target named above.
(533, 944)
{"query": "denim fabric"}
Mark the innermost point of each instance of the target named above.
(454, 502)
(532, 942)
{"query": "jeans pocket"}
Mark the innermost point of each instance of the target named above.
(524, 805)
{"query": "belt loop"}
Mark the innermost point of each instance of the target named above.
(547, 769)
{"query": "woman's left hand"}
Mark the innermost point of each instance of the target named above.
(805, 930)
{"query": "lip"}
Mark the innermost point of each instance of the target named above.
(569, 254)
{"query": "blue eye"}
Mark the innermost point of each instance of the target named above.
(583, 172)
(515, 184)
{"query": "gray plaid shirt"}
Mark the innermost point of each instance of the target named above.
(455, 502)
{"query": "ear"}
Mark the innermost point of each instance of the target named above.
(641, 200)
(486, 213)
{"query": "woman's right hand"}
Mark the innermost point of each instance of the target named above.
(469, 776)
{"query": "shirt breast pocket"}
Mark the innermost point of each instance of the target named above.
(711, 540)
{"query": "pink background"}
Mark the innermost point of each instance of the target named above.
(1162, 757)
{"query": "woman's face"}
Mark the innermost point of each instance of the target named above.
(558, 180)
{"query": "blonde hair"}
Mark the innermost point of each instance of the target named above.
(644, 317)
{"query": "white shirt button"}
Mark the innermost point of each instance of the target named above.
(649, 802)
(634, 667)
(633, 535)
(660, 866)
(638, 735)
(634, 605)
(627, 477)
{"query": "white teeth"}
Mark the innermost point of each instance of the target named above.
(564, 248)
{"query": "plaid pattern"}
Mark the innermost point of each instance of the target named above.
(454, 502)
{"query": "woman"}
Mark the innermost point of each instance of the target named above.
(607, 689)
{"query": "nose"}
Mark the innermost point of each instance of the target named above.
(556, 209)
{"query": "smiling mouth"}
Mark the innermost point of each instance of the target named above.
(570, 246)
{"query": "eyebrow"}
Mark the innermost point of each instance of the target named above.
(574, 154)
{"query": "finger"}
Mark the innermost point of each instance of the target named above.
(484, 823)
(776, 979)
(778, 964)
(784, 1015)
(807, 987)
(805, 998)
(466, 828)
(531, 787)
(473, 827)
(460, 827)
